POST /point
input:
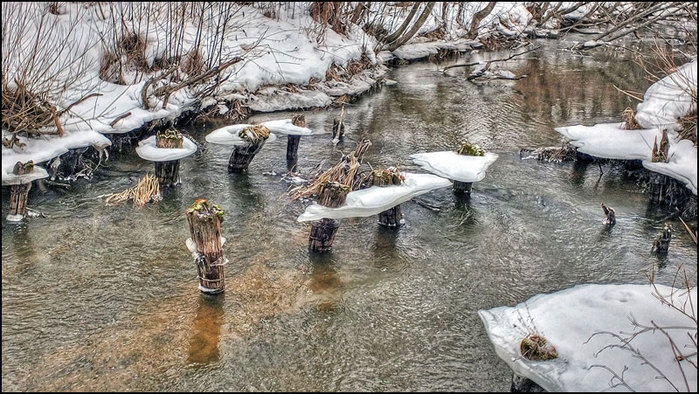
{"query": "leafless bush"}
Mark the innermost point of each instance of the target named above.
(680, 301)
(44, 67)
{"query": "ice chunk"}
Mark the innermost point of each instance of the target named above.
(568, 319)
(376, 199)
(451, 165)
(147, 150)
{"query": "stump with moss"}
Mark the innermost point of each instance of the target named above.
(19, 194)
(467, 149)
(168, 172)
(332, 195)
(205, 220)
(242, 155)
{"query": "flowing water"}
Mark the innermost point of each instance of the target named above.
(106, 298)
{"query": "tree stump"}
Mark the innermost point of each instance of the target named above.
(338, 129)
(661, 243)
(610, 214)
(462, 187)
(391, 217)
(205, 221)
(292, 142)
(322, 235)
(242, 155)
(19, 194)
(331, 194)
(168, 172)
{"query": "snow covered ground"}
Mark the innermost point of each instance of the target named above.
(583, 323)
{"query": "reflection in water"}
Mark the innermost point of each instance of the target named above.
(325, 284)
(206, 330)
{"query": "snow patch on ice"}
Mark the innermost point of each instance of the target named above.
(451, 165)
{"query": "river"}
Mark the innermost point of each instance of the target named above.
(106, 298)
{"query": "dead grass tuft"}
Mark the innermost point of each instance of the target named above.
(630, 122)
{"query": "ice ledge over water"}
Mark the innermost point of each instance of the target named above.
(228, 135)
(376, 199)
(609, 141)
(569, 317)
(451, 165)
(47, 147)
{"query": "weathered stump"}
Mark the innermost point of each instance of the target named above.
(322, 235)
(521, 384)
(19, 194)
(242, 155)
(292, 142)
(392, 217)
(205, 227)
(167, 172)
(338, 129)
(661, 243)
(610, 214)
(462, 187)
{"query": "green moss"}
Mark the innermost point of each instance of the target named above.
(203, 205)
(469, 149)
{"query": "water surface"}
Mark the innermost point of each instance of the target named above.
(105, 298)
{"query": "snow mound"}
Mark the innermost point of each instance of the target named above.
(609, 141)
(12, 179)
(228, 135)
(668, 99)
(284, 126)
(451, 165)
(376, 199)
(147, 150)
(569, 318)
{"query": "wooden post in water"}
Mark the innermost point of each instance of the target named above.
(168, 172)
(661, 243)
(19, 194)
(331, 194)
(338, 129)
(463, 187)
(392, 217)
(292, 142)
(611, 216)
(205, 221)
(242, 155)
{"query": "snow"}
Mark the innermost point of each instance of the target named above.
(681, 166)
(451, 165)
(568, 319)
(228, 135)
(47, 147)
(148, 150)
(668, 99)
(284, 126)
(376, 199)
(609, 141)
(8, 178)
